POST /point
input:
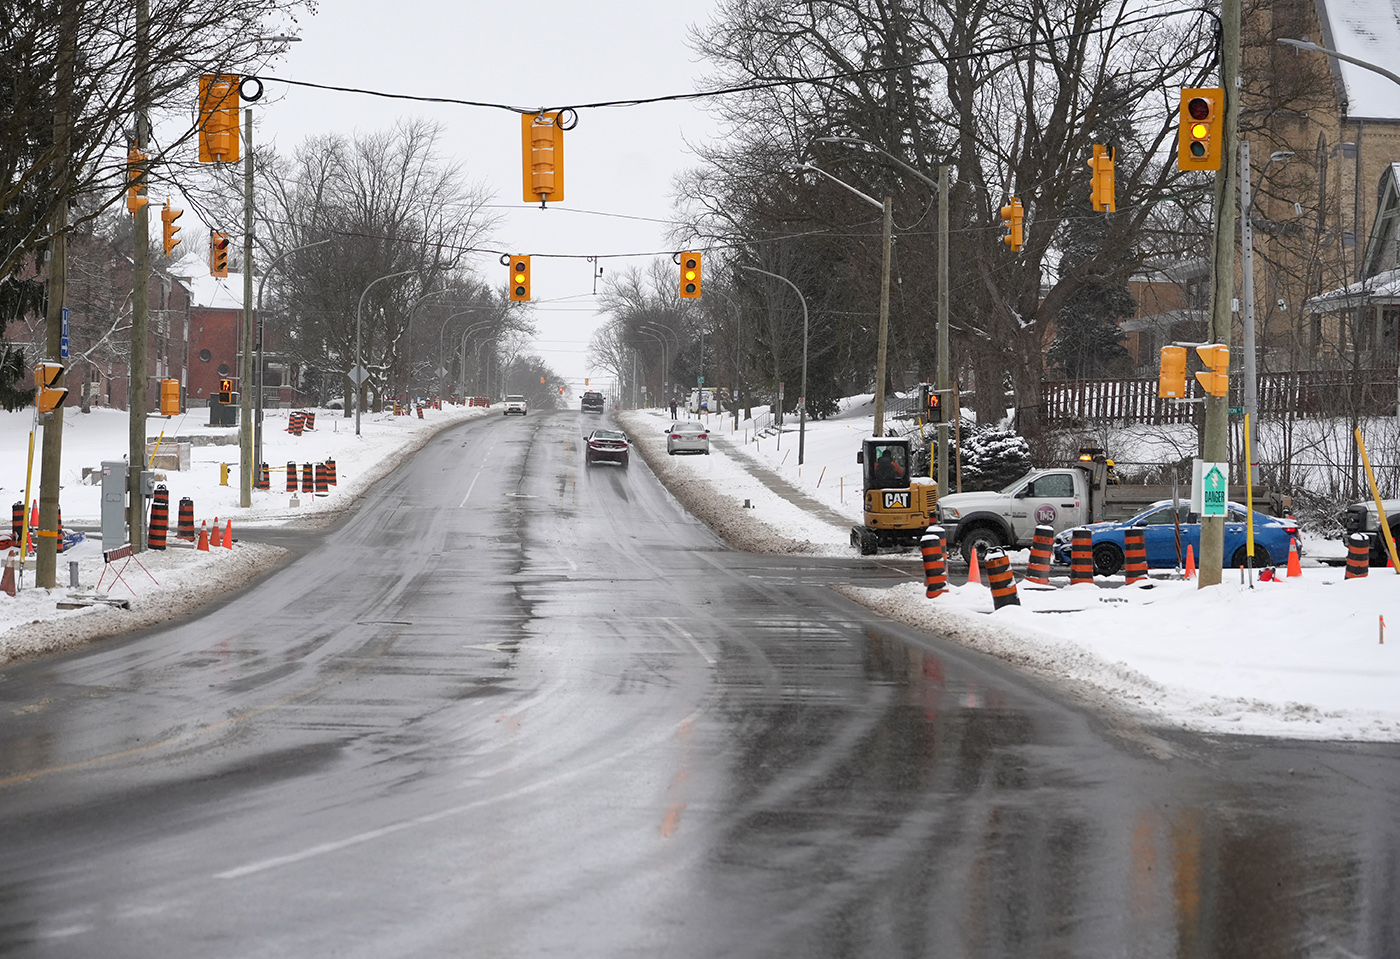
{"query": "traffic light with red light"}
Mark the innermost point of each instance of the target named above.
(1011, 217)
(1200, 134)
(1171, 377)
(135, 181)
(1101, 188)
(48, 395)
(1215, 379)
(218, 253)
(542, 150)
(520, 278)
(690, 276)
(167, 219)
(218, 118)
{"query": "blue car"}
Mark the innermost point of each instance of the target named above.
(1271, 538)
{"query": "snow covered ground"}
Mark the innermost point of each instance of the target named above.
(1300, 657)
(161, 584)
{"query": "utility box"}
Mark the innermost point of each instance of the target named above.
(223, 414)
(113, 504)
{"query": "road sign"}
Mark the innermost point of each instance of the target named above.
(699, 381)
(1214, 489)
(441, 372)
(1237, 411)
(358, 374)
(63, 343)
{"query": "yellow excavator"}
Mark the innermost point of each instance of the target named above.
(899, 507)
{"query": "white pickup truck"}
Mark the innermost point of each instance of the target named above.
(1363, 518)
(1059, 498)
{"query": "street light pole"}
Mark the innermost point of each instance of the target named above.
(801, 400)
(359, 387)
(887, 211)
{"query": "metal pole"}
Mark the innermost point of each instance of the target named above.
(359, 387)
(262, 283)
(802, 400)
(245, 378)
(943, 384)
(1251, 391)
(884, 322)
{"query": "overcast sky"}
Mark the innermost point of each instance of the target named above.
(618, 161)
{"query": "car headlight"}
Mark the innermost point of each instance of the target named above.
(948, 512)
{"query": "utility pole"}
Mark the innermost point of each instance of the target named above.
(140, 301)
(51, 455)
(245, 380)
(1215, 443)
(942, 384)
(884, 322)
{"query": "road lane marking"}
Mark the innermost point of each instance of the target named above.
(689, 638)
(469, 490)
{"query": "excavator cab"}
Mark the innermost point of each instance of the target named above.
(898, 505)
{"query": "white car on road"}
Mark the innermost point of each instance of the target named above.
(515, 404)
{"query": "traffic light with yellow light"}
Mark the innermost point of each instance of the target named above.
(167, 219)
(1101, 187)
(218, 253)
(135, 181)
(520, 278)
(1171, 377)
(1011, 217)
(690, 276)
(48, 395)
(1200, 134)
(542, 150)
(1215, 379)
(218, 118)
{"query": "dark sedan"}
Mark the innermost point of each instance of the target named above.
(1160, 523)
(606, 446)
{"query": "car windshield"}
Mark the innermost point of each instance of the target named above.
(608, 435)
(515, 399)
(687, 428)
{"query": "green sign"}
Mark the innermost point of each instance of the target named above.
(1213, 490)
(699, 381)
(1237, 411)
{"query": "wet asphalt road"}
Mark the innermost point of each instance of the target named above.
(516, 707)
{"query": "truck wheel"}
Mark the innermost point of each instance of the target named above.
(1261, 557)
(1108, 559)
(981, 539)
(1380, 556)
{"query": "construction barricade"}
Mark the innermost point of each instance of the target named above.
(330, 472)
(1081, 557)
(264, 478)
(308, 478)
(159, 523)
(1001, 580)
(291, 477)
(185, 527)
(296, 423)
(1134, 554)
(1358, 555)
(309, 419)
(935, 569)
(1038, 570)
(321, 489)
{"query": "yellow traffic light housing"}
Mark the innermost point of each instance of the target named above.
(167, 219)
(1215, 380)
(520, 278)
(135, 181)
(690, 276)
(226, 391)
(1200, 133)
(218, 253)
(48, 395)
(1011, 216)
(218, 118)
(169, 397)
(935, 408)
(1171, 377)
(1101, 187)
(542, 151)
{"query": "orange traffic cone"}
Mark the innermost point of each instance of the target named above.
(1190, 562)
(7, 582)
(203, 537)
(1295, 568)
(974, 575)
(228, 535)
(33, 519)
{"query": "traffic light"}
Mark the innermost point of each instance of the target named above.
(520, 278)
(169, 397)
(690, 276)
(48, 395)
(1216, 378)
(935, 408)
(218, 253)
(218, 118)
(1101, 188)
(225, 391)
(542, 149)
(1011, 216)
(1171, 378)
(135, 181)
(167, 219)
(1199, 135)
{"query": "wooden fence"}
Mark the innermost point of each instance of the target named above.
(1302, 394)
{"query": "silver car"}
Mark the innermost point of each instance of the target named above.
(687, 436)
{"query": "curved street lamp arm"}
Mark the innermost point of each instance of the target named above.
(837, 180)
(1306, 45)
(857, 141)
